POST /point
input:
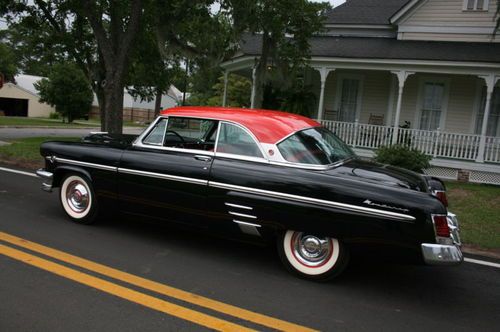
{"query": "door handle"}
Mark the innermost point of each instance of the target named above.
(203, 158)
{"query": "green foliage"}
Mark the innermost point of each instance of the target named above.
(8, 65)
(28, 149)
(238, 93)
(54, 115)
(299, 100)
(68, 90)
(403, 156)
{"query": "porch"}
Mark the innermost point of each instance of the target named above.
(454, 154)
(447, 108)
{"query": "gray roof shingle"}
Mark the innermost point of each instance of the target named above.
(387, 48)
(364, 12)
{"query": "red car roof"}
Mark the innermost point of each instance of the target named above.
(268, 126)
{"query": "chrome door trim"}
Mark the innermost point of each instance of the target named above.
(239, 206)
(242, 215)
(316, 201)
(84, 164)
(163, 176)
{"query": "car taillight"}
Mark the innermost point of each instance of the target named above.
(441, 225)
(441, 195)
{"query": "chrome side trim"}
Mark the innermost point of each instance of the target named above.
(85, 164)
(303, 199)
(248, 228)
(242, 215)
(246, 223)
(438, 254)
(44, 174)
(239, 206)
(163, 176)
(47, 177)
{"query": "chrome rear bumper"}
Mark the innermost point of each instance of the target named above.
(47, 179)
(447, 253)
(441, 254)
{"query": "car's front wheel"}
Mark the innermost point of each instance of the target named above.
(311, 256)
(78, 199)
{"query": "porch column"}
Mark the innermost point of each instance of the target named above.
(252, 98)
(224, 96)
(402, 75)
(323, 73)
(490, 81)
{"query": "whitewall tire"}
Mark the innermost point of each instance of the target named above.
(78, 199)
(311, 256)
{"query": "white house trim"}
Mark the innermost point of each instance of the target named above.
(448, 29)
(404, 12)
(429, 66)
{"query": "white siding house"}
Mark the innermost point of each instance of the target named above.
(423, 72)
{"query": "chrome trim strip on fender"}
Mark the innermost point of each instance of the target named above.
(246, 223)
(239, 206)
(163, 176)
(303, 199)
(242, 215)
(85, 164)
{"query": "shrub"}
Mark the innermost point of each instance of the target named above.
(403, 156)
(54, 115)
(68, 90)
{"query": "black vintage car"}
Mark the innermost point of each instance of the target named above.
(256, 174)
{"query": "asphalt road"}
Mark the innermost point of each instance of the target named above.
(369, 296)
(13, 133)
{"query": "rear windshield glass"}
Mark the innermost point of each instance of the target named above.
(316, 146)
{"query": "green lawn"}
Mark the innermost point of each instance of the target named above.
(28, 149)
(478, 209)
(22, 121)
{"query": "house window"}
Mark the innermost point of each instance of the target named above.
(432, 105)
(476, 4)
(348, 97)
(493, 128)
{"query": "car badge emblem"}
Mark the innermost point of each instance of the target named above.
(369, 202)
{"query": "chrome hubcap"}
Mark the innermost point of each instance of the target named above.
(311, 250)
(77, 196)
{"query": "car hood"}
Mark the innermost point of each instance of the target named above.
(386, 175)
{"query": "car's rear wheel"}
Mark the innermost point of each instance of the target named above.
(78, 199)
(311, 256)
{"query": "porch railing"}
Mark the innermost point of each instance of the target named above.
(433, 143)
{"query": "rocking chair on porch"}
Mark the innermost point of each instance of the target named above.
(376, 119)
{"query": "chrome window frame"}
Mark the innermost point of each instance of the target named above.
(307, 166)
(262, 159)
(277, 160)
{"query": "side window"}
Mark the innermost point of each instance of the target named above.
(187, 133)
(234, 140)
(155, 137)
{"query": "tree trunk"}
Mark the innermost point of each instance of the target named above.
(260, 71)
(113, 106)
(159, 94)
(101, 101)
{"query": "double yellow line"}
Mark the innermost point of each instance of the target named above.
(136, 296)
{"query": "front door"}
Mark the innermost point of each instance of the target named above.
(165, 175)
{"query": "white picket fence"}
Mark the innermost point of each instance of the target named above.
(433, 143)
